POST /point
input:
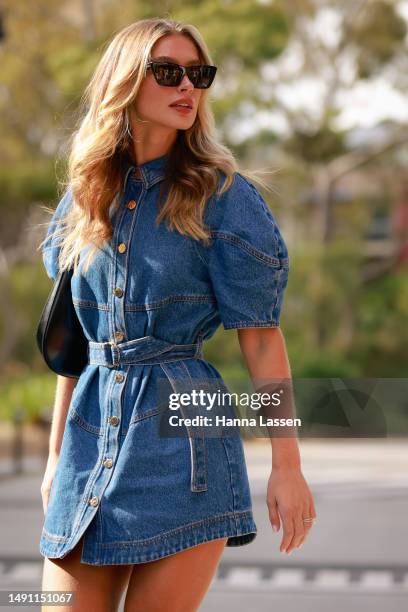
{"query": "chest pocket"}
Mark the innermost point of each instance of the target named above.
(163, 264)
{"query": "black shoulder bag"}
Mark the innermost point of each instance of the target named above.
(60, 336)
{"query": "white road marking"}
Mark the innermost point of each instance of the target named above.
(24, 571)
(380, 581)
(376, 580)
(244, 576)
(329, 579)
(288, 578)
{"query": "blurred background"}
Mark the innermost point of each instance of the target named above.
(313, 91)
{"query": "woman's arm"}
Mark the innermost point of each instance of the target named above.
(265, 355)
(63, 394)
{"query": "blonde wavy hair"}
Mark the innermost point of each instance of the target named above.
(103, 140)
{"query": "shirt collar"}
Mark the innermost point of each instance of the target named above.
(151, 171)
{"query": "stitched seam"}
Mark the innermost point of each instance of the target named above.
(56, 538)
(199, 254)
(189, 437)
(157, 180)
(169, 534)
(92, 478)
(274, 262)
(129, 306)
(229, 470)
(78, 419)
(204, 453)
(99, 522)
(251, 324)
(90, 304)
(142, 417)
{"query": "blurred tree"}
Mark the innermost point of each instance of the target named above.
(332, 49)
(50, 51)
(292, 60)
(378, 34)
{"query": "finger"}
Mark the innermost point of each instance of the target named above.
(311, 513)
(299, 531)
(307, 525)
(274, 516)
(312, 509)
(288, 531)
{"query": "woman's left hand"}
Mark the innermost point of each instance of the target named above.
(289, 496)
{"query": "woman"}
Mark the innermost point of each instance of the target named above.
(163, 254)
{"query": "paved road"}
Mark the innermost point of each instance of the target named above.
(355, 556)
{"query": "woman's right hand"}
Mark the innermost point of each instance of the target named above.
(47, 480)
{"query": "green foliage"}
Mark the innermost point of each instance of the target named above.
(382, 331)
(335, 325)
(27, 395)
(30, 180)
(319, 146)
(248, 31)
(28, 280)
(378, 34)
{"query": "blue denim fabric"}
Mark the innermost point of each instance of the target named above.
(137, 496)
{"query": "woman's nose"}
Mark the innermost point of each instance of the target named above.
(186, 84)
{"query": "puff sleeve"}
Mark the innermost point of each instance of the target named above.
(51, 246)
(248, 259)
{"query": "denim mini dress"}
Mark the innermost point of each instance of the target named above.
(148, 301)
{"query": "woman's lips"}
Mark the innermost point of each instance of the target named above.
(184, 110)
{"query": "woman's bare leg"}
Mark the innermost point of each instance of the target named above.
(95, 587)
(177, 583)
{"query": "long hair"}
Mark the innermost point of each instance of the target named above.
(103, 140)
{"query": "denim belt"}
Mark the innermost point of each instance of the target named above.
(145, 350)
(149, 350)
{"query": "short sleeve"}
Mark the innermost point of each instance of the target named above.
(248, 259)
(51, 246)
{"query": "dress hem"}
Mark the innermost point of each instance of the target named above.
(239, 527)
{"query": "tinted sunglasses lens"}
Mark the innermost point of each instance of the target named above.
(201, 76)
(168, 75)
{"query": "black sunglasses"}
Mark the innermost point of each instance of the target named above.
(171, 75)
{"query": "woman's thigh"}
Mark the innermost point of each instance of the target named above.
(176, 583)
(95, 587)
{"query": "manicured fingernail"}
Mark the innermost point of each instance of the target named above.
(274, 527)
(289, 552)
(283, 550)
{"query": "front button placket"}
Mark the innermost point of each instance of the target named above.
(120, 262)
(100, 477)
(117, 321)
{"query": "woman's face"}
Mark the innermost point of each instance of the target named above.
(153, 102)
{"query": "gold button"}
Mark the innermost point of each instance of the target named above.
(122, 247)
(119, 336)
(108, 463)
(118, 292)
(131, 204)
(94, 501)
(119, 377)
(113, 420)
